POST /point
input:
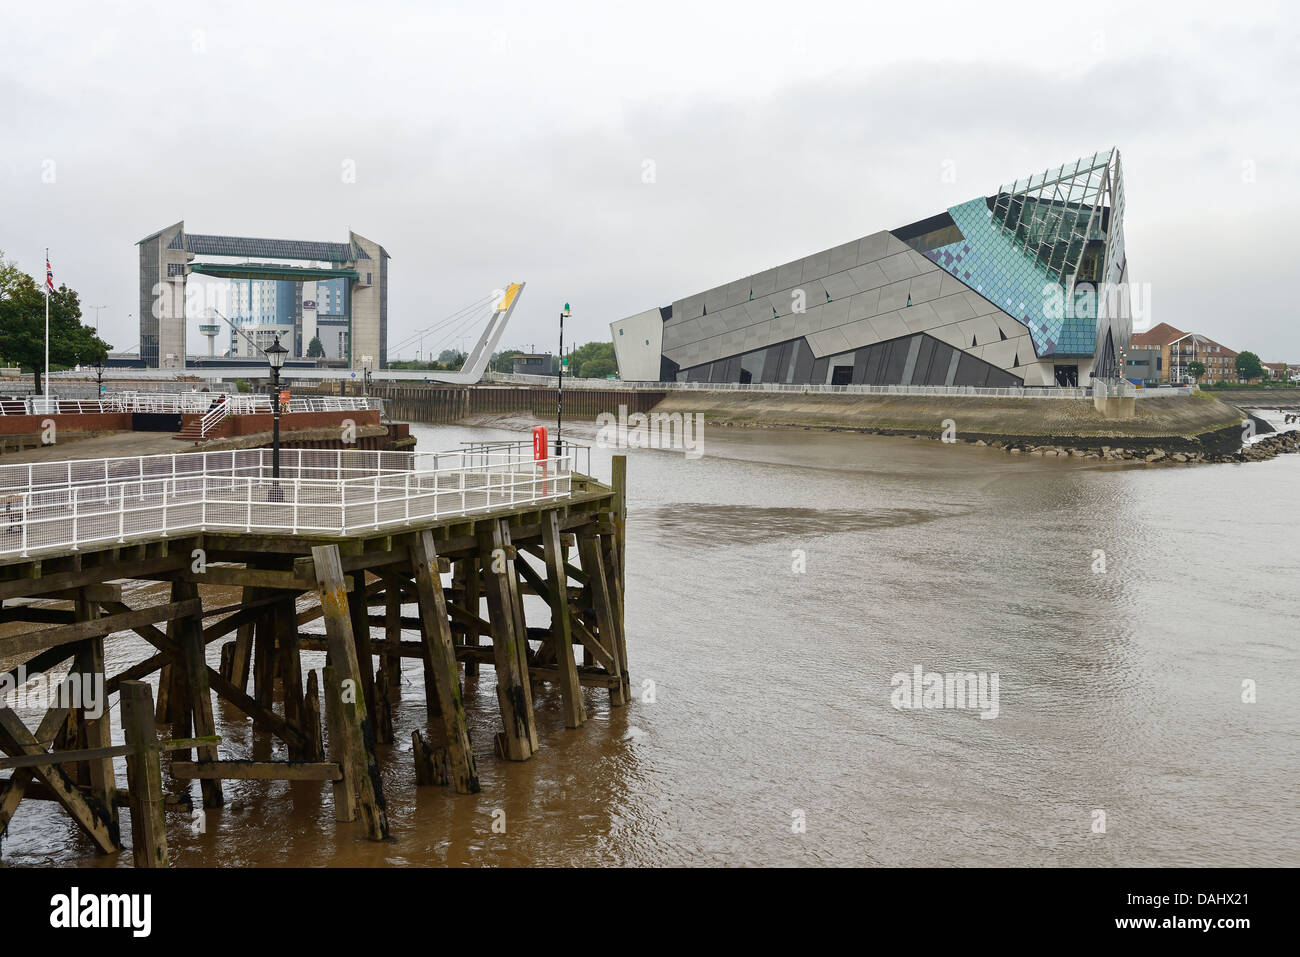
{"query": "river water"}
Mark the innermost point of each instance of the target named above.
(776, 585)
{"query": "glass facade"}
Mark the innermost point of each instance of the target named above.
(1027, 248)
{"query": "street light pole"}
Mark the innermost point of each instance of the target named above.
(275, 356)
(559, 392)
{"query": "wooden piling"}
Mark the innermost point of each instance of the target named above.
(606, 629)
(351, 734)
(575, 713)
(143, 776)
(314, 750)
(391, 661)
(96, 731)
(513, 694)
(440, 659)
(189, 638)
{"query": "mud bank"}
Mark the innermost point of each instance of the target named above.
(1197, 429)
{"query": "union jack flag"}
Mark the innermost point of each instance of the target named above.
(49, 276)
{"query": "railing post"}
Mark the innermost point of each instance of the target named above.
(249, 513)
(73, 493)
(164, 497)
(121, 513)
(408, 496)
(376, 495)
(296, 489)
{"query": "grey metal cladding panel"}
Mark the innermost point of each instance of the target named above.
(715, 300)
(688, 308)
(895, 245)
(897, 267)
(789, 275)
(873, 247)
(920, 317)
(801, 323)
(925, 287)
(864, 304)
(803, 363)
(763, 283)
(952, 308)
(815, 266)
(868, 276)
(734, 317)
(893, 296)
(978, 304)
(843, 257)
(758, 310)
(835, 313)
(738, 292)
(840, 285)
(814, 293)
(951, 286)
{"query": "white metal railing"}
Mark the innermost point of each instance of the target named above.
(188, 402)
(213, 418)
(334, 465)
(240, 496)
(1012, 392)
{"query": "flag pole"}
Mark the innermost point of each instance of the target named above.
(45, 375)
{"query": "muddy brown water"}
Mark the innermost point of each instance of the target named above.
(764, 692)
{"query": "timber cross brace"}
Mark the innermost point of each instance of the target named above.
(464, 579)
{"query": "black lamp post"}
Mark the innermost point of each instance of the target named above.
(275, 355)
(99, 377)
(559, 393)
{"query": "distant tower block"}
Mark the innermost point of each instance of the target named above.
(211, 332)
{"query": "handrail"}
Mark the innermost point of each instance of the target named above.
(75, 515)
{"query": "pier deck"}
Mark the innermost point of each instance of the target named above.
(362, 535)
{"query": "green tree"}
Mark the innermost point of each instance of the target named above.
(1249, 366)
(22, 326)
(595, 360)
(1195, 369)
(315, 350)
(598, 368)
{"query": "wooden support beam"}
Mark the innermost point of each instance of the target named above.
(15, 789)
(471, 583)
(519, 734)
(35, 641)
(440, 660)
(575, 714)
(258, 770)
(143, 776)
(62, 581)
(89, 813)
(97, 592)
(37, 615)
(351, 737)
(285, 620)
(607, 631)
(89, 661)
(262, 718)
(311, 726)
(392, 663)
(189, 638)
(611, 559)
(359, 612)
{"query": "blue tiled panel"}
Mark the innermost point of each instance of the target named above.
(992, 264)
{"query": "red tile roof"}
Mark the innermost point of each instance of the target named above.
(1160, 335)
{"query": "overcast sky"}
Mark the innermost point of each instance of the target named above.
(497, 142)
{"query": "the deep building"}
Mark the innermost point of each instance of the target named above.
(1028, 286)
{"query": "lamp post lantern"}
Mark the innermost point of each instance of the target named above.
(275, 356)
(99, 377)
(559, 392)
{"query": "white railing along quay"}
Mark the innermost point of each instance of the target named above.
(334, 465)
(74, 516)
(1010, 392)
(185, 403)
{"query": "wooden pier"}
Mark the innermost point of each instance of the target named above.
(466, 574)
